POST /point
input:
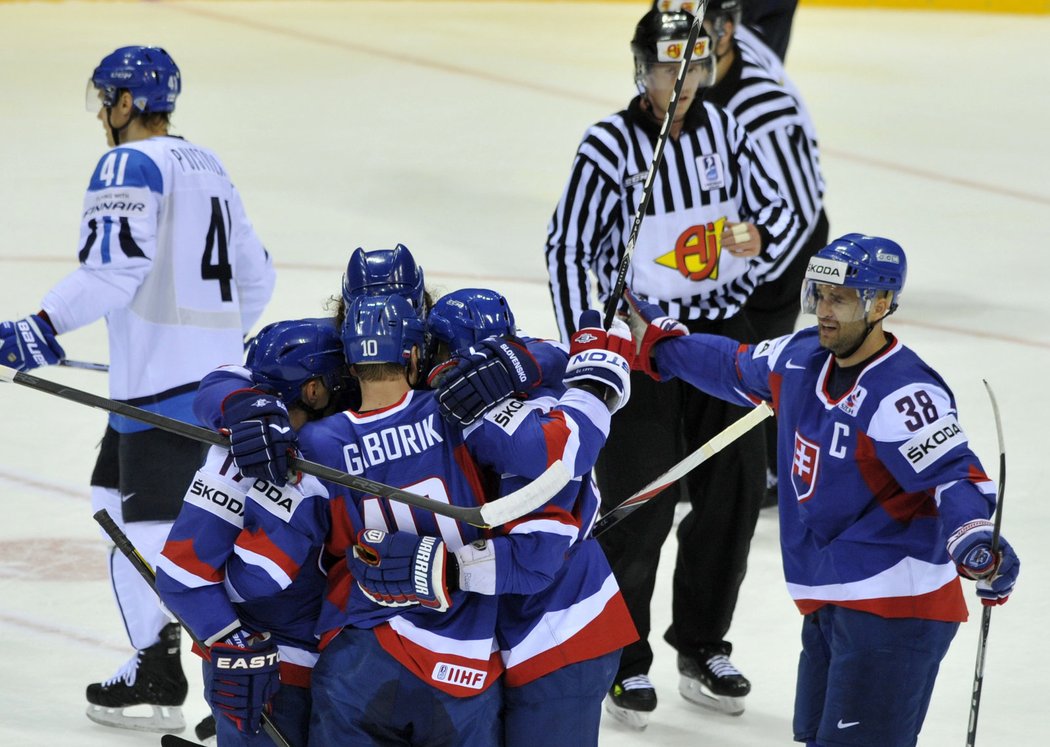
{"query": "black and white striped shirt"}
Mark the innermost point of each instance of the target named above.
(753, 90)
(710, 174)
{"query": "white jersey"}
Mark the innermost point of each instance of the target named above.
(169, 258)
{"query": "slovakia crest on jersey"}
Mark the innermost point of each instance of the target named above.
(805, 462)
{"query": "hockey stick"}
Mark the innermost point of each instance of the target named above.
(509, 507)
(986, 612)
(722, 439)
(129, 551)
(86, 365)
(173, 740)
(658, 156)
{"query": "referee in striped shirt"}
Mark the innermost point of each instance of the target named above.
(750, 83)
(716, 225)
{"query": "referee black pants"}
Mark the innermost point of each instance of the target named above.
(661, 424)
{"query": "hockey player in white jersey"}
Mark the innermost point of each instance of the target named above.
(883, 505)
(169, 259)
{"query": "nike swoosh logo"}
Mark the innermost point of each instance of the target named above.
(792, 365)
(847, 724)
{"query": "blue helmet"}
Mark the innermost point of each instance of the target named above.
(148, 73)
(285, 355)
(384, 272)
(464, 317)
(382, 329)
(868, 264)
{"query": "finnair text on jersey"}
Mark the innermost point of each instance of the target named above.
(388, 444)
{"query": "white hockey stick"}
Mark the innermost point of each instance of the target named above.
(493, 513)
(722, 439)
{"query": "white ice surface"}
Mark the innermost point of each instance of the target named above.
(450, 127)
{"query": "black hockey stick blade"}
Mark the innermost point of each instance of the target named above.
(129, 551)
(658, 154)
(719, 441)
(171, 740)
(479, 516)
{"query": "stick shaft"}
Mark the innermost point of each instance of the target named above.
(129, 551)
(658, 155)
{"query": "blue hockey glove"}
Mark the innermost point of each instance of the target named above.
(399, 569)
(493, 370)
(600, 360)
(970, 546)
(244, 679)
(261, 436)
(28, 343)
(650, 325)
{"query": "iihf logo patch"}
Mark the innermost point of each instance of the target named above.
(853, 401)
(710, 168)
(804, 466)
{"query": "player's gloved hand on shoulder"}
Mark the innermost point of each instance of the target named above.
(28, 343)
(399, 569)
(244, 679)
(650, 325)
(261, 436)
(471, 384)
(970, 546)
(600, 361)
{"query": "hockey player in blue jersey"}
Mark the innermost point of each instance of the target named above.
(170, 260)
(210, 575)
(560, 637)
(883, 505)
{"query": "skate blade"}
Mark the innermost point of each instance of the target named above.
(163, 719)
(636, 720)
(693, 691)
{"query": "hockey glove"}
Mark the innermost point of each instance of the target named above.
(244, 679)
(650, 325)
(970, 546)
(28, 343)
(491, 371)
(399, 569)
(261, 436)
(600, 360)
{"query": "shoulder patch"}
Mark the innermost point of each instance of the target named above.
(933, 442)
(126, 167)
(509, 415)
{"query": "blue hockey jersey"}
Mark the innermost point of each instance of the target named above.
(871, 483)
(216, 583)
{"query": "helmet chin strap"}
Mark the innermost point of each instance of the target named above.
(113, 129)
(867, 332)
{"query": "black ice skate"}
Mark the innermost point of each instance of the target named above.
(205, 731)
(631, 701)
(152, 678)
(710, 680)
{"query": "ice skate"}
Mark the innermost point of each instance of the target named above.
(710, 680)
(205, 731)
(147, 693)
(631, 701)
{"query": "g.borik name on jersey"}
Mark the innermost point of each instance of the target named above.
(388, 444)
